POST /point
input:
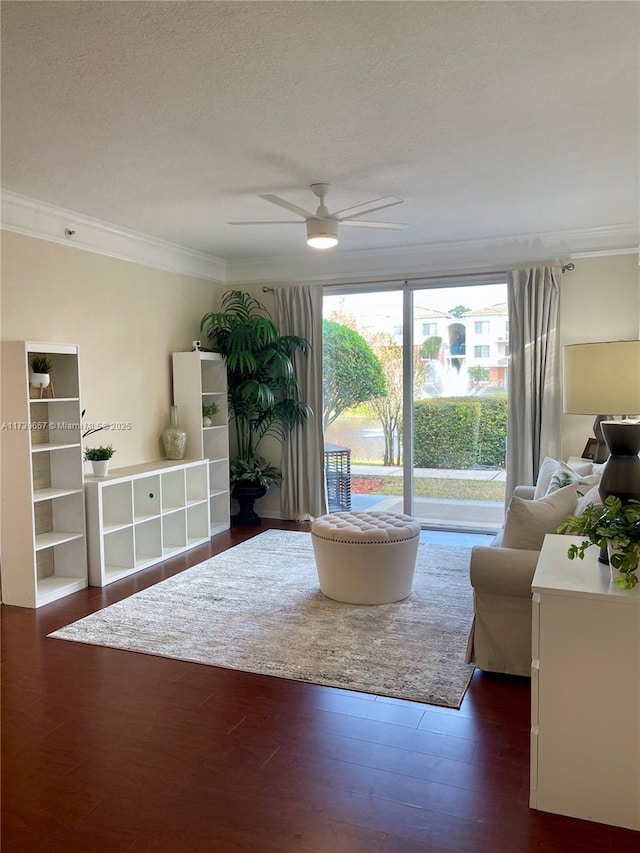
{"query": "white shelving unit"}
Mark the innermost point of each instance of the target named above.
(585, 689)
(200, 378)
(143, 514)
(43, 519)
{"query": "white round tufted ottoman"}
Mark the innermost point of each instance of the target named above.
(365, 557)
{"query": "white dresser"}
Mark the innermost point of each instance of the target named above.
(585, 702)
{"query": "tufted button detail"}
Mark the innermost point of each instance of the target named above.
(366, 527)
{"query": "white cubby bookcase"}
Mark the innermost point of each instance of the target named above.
(200, 378)
(44, 555)
(143, 514)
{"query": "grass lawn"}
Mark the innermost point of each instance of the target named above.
(430, 487)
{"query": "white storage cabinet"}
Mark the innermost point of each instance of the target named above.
(585, 690)
(144, 514)
(43, 519)
(200, 378)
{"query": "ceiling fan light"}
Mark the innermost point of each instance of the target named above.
(322, 233)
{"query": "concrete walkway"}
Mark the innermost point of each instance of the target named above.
(437, 512)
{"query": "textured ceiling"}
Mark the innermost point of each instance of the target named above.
(492, 120)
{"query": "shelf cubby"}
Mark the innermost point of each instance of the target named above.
(198, 522)
(60, 570)
(173, 489)
(119, 559)
(174, 532)
(147, 536)
(146, 497)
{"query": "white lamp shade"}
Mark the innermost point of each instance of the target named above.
(602, 378)
(322, 233)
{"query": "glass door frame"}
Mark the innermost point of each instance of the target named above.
(409, 286)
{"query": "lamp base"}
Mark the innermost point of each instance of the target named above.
(601, 453)
(621, 474)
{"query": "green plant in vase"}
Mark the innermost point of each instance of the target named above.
(264, 395)
(208, 413)
(615, 526)
(41, 366)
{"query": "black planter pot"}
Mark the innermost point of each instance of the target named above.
(247, 494)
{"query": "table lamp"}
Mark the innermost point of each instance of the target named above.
(605, 377)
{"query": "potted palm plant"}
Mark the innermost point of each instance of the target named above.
(264, 395)
(614, 527)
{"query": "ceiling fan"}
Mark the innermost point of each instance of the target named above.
(322, 226)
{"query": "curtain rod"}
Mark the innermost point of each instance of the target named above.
(569, 267)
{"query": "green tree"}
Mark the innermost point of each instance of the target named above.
(351, 372)
(478, 373)
(458, 311)
(388, 408)
(431, 347)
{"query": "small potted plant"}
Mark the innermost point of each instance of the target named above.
(99, 458)
(208, 414)
(612, 526)
(40, 369)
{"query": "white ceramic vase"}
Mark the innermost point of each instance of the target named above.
(40, 380)
(174, 437)
(100, 467)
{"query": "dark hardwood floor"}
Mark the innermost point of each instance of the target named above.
(106, 750)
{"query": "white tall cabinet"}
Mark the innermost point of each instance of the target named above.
(585, 716)
(199, 379)
(43, 522)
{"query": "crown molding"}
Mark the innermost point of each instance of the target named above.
(39, 219)
(435, 258)
(35, 218)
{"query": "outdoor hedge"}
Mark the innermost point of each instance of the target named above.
(460, 432)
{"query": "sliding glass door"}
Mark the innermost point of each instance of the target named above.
(415, 397)
(459, 405)
(363, 399)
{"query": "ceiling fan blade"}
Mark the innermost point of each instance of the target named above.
(362, 223)
(281, 202)
(270, 222)
(367, 207)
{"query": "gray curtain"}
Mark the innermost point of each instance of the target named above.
(302, 495)
(533, 423)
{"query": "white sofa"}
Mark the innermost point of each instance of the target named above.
(501, 574)
(500, 637)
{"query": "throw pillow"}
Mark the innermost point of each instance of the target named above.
(592, 497)
(546, 472)
(581, 484)
(528, 522)
(551, 467)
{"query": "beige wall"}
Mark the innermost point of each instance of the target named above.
(599, 301)
(126, 318)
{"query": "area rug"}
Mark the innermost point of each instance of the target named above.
(258, 608)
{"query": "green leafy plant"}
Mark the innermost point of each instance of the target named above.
(611, 524)
(256, 471)
(264, 395)
(210, 411)
(41, 364)
(98, 454)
